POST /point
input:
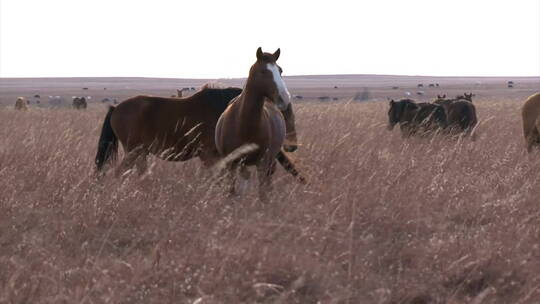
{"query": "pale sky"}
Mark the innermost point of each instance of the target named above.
(218, 38)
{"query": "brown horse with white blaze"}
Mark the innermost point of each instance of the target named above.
(254, 117)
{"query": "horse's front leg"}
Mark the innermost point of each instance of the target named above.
(265, 169)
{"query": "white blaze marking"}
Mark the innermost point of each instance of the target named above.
(280, 84)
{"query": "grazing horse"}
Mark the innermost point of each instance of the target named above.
(79, 103)
(460, 113)
(254, 117)
(530, 113)
(416, 118)
(21, 104)
(174, 129)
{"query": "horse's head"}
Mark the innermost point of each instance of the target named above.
(398, 110)
(442, 100)
(468, 96)
(465, 96)
(265, 77)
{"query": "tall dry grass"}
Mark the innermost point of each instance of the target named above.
(383, 220)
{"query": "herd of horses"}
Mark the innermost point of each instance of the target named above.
(255, 126)
(455, 116)
(78, 103)
(443, 115)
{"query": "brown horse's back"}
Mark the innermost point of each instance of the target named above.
(530, 113)
(171, 128)
(462, 115)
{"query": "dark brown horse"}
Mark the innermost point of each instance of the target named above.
(254, 118)
(460, 113)
(173, 129)
(79, 103)
(416, 118)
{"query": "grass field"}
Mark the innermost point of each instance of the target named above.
(382, 219)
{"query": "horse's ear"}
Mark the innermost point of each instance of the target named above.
(391, 102)
(259, 53)
(444, 96)
(276, 54)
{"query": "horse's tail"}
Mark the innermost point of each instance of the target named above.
(468, 118)
(108, 142)
(289, 165)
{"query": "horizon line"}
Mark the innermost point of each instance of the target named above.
(285, 76)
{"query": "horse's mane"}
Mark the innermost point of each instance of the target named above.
(212, 85)
(407, 100)
(217, 94)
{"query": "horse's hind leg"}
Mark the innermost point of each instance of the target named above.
(130, 159)
(125, 165)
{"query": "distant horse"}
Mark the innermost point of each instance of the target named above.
(530, 113)
(460, 113)
(416, 118)
(254, 117)
(174, 129)
(180, 92)
(21, 104)
(79, 103)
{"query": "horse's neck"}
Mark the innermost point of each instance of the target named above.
(251, 107)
